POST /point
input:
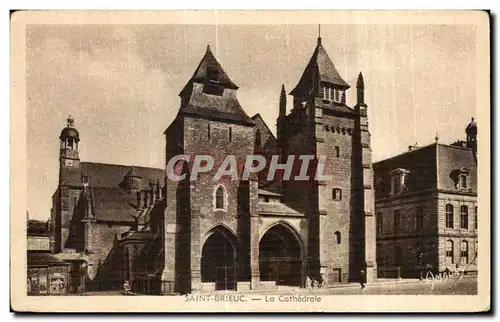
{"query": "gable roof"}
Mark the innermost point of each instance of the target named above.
(320, 68)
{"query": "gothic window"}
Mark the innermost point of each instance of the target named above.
(397, 221)
(337, 194)
(338, 237)
(419, 218)
(449, 216)
(464, 252)
(449, 252)
(464, 217)
(220, 198)
(337, 151)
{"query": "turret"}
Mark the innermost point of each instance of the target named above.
(361, 107)
(69, 139)
(471, 132)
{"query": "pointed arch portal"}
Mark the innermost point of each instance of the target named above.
(218, 259)
(280, 256)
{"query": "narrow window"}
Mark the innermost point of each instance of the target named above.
(338, 237)
(449, 252)
(464, 252)
(230, 134)
(396, 221)
(464, 217)
(463, 181)
(325, 93)
(337, 151)
(336, 95)
(258, 139)
(219, 198)
(419, 218)
(449, 216)
(337, 194)
(475, 217)
(208, 132)
(380, 223)
(397, 255)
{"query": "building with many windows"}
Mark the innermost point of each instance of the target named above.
(426, 208)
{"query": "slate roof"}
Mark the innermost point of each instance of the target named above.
(225, 107)
(430, 167)
(452, 158)
(276, 208)
(108, 175)
(114, 204)
(37, 228)
(42, 259)
(215, 107)
(320, 66)
(210, 62)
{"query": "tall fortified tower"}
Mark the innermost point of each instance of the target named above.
(341, 239)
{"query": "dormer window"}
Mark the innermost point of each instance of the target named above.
(461, 178)
(331, 94)
(213, 75)
(399, 181)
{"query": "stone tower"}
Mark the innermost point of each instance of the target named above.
(66, 196)
(322, 125)
(212, 123)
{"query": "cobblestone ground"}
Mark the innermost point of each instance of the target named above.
(464, 286)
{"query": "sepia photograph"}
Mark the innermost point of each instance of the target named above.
(250, 161)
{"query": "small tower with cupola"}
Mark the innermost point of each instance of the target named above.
(69, 140)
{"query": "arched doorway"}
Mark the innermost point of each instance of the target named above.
(280, 256)
(218, 260)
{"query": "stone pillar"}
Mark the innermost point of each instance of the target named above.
(169, 247)
(195, 251)
(254, 235)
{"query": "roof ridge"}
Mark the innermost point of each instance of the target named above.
(122, 165)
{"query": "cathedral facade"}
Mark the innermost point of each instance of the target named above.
(178, 236)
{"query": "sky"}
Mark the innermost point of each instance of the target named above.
(120, 83)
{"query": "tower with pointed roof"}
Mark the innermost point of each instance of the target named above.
(341, 239)
(210, 122)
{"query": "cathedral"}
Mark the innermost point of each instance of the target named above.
(118, 223)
